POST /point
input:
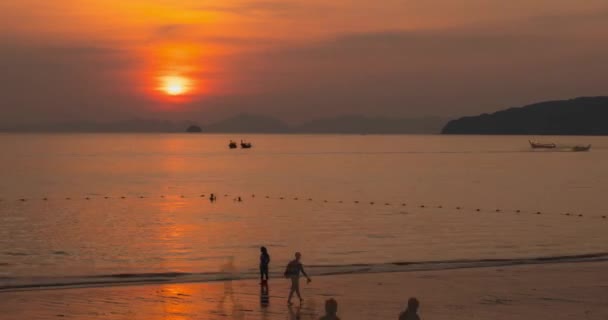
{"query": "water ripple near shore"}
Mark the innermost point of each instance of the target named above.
(121, 279)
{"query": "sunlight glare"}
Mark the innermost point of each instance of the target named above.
(175, 85)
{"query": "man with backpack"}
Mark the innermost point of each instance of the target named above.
(293, 270)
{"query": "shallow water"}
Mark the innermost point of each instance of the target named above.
(435, 198)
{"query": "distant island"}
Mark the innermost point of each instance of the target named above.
(194, 129)
(579, 116)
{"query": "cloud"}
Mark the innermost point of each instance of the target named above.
(274, 8)
(191, 33)
(44, 82)
(417, 73)
(446, 72)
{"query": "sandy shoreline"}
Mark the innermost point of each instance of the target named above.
(547, 291)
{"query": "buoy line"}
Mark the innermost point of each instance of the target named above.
(237, 198)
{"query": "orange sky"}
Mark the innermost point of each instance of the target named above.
(235, 49)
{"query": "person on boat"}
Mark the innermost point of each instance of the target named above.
(264, 262)
(331, 310)
(411, 313)
(293, 270)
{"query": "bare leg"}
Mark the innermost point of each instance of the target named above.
(296, 287)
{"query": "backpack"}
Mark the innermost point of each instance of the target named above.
(291, 269)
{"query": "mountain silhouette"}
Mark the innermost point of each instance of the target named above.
(579, 116)
(248, 123)
(356, 124)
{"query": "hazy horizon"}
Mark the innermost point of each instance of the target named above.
(192, 60)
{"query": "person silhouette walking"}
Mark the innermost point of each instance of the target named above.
(293, 270)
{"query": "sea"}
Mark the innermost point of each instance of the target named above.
(112, 209)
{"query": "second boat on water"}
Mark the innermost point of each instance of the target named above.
(245, 145)
(576, 148)
(538, 145)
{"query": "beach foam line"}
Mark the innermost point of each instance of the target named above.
(8, 284)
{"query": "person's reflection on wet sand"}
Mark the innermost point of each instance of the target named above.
(264, 295)
(294, 314)
(307, 311)
(264, 301)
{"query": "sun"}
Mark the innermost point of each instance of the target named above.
(175, 85)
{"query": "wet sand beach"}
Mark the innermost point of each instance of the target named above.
(544, 291)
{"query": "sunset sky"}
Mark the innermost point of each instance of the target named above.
(200, 60)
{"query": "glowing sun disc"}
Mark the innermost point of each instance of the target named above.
(175, 85)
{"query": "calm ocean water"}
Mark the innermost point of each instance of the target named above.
(118, 207)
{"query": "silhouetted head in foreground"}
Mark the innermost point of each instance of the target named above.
(331, 310)
(298, 256)
(411, 313)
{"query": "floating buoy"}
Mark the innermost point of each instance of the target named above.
(457, 208)
(497, 210)
(518, 211)
(537, 212)
(267, 197)
(123, 197)
(106, 197)
(22, 200)
(225, 195)
(239, 199)
(295, 198)
(162, 196)
(567, 213)
(202, 195)
(422, 206)
(253, 195)
(477, 209)
(440, 207)
(580, 215)
(182, 196)
(68, 198)
(371, 202)
(340, 201)
(603, 217)
(324, 200)
(309, 199)
(87, 198)
(403, 204)
(356, 201)
(387, 204)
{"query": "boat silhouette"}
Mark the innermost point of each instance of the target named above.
(245, 145)
(538, 145)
